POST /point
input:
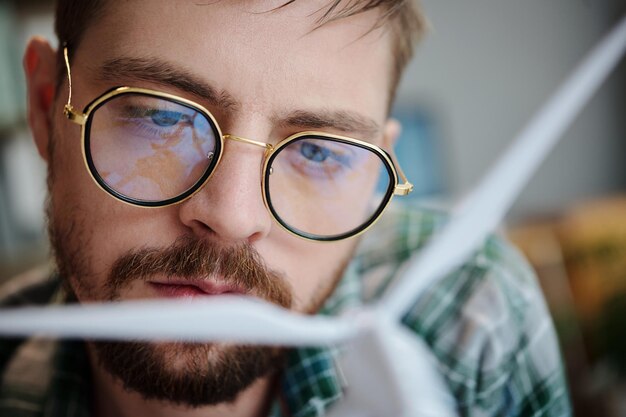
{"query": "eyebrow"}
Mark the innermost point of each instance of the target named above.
(342, 120)
(164, 73)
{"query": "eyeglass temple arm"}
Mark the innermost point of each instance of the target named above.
(69, 110)
(406, 187)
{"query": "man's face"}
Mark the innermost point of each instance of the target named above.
(270, 65)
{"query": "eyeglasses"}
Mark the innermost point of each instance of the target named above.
(153, 149)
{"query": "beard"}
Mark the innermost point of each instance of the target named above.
(185, 374)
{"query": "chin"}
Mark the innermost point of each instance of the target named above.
(187, 374)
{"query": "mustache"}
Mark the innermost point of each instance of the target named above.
(197, 260)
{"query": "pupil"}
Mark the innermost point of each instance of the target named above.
(165, 118)
(314, 152)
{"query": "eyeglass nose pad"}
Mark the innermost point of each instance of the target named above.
(210, 156)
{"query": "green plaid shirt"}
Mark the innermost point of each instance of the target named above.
(487, 324)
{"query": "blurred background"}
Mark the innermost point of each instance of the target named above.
(484, 69)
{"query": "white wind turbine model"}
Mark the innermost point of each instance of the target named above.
(388, 371)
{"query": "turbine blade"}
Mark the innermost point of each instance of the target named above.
(220, 318)
(487, 205)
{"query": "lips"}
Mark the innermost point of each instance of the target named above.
(175, 288)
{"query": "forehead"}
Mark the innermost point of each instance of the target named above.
(263, 56)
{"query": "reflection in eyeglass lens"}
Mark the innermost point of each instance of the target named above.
(149, 148)
(326, 187)
(322, 159)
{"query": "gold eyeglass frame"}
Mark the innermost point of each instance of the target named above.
(270, 151)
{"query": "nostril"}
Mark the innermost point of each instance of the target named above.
(201, 229)
(255, 237)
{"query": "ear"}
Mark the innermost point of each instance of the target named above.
(40, 69)
(391, 133)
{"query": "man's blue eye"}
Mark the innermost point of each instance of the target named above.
(314, 152)
(165, 118)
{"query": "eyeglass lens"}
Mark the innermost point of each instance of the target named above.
(148, 148)
(326, 187)
(152, 149)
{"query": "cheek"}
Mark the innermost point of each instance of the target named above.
(77, 206)
(72, 184)
(312, 268)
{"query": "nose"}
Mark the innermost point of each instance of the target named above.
(230, 208)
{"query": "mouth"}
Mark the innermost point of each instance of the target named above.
(185, 288)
